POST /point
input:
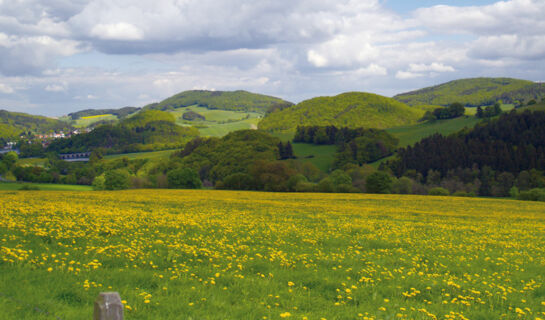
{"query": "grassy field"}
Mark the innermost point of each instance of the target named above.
(44, 186)
(40, 162)
(408, 135)
(85, 122)
(141, 155)
(250, 255)
(319, 155)
(218, 123)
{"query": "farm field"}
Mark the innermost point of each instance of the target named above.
(250, 255)
(321, 156)
(411, 134)
(218, 123)
(141, 155)
(85, 122)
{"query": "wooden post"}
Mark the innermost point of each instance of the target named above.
(108, 306)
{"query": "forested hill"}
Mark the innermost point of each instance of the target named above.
(14, 123)
(224, 100)
(476, 92)
(513, 143)
(147, 130)
(351, 109)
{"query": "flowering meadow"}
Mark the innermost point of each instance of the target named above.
(250, 255)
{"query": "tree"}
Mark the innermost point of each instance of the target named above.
(480, 112)
(438, 191)
(99, 183)
(185, 178)
(10, 159)
(403, 185)
(237, 181)
(116, 180)
(378, 182)
(456, 109)
(3, 168)
(340, 181)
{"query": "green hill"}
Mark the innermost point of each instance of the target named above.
(14, 123)
(120, 113)
(476, 92)
(223, 100)
(351, 109)
(149, 130)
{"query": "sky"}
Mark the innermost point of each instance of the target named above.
(60, 56)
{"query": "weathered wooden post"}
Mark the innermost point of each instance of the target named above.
(108, 306)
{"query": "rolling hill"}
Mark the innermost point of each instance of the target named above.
(476, 92)
(223, 100)
(120, 113)
(351, 109)
(14, 123)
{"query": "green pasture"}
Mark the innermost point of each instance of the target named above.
(44, 186)
(218, 123)
(141, 155)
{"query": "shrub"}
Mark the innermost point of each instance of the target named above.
(514, 192)
(3, 167)
(184, 178)
(99, 183)
(116, 180)
(402, 185)
(28, 187)
(325, 185)
(302, 186)
(535, 194)
(378, 182)
(438, 191)
(293, 181)
(237, 181)
(461, 194)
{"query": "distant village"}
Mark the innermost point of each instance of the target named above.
(45, 139)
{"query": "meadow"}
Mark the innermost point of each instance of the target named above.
(218, 122)
(250, 255)
(44, 186)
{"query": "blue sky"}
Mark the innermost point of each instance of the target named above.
(405, 6)
(59, 56)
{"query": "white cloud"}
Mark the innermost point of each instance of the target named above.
(290, 48)
(509, 46)
(4, 88)
(371, 70)
(433, 67)
(55, 88)
(502, 17)
(403, 75)
(33, 53)
(316, 59)
(117, 31)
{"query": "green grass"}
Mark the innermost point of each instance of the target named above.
(218, 123)
(84, 123)
(504, 107)
(321, 156)
(254, 255)
(411, 134)
(44, 186)
(141, 155)
(34, 162)
(536, 107)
